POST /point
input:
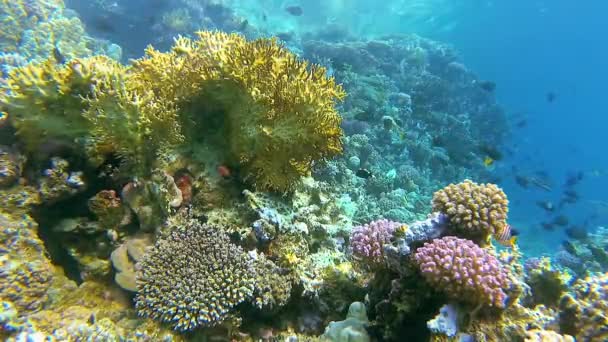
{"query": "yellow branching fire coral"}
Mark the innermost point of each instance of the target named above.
(476, 211)
(262, 109)
(87, 101)
(276, 112)
(47, 100)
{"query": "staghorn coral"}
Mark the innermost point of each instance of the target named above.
(87, 101)
(583, 312)
(464, 271)
(277, 112)
(476, 211)
(193, 276)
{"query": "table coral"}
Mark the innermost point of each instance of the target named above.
(193, 277)
(476, 211)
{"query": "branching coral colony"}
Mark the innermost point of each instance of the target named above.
(255, 104)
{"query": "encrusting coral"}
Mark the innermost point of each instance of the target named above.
(272, 114)
(193, 277)
(476, 211)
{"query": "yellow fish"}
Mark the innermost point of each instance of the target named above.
(488, 161)
(507, 236)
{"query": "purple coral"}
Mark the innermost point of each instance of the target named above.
(367, 241)
(463, 270)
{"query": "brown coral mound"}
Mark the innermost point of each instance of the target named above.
(193, 277)
(475, 210)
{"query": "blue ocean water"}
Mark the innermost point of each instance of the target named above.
(531, 48)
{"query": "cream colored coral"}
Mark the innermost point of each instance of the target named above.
(475, 210)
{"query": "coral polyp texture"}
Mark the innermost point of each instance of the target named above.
(464, 271)
(193, 277)
(26, 273)
(584, 311)
(476, 211)
(367, 241)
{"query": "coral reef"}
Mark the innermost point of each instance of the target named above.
(194, 276)
(26, 273)
(583, 312)
(125, 258)
(273, 285)
(547, 284)
(367, 241)
(476, 211)
(270, 100)
(11, 164)
(447, 321)
(279, 115)
(350, 329)
(537, 335)
(34, 29)
(464, 271)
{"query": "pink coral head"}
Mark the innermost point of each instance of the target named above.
(473, 275)
(367, 241)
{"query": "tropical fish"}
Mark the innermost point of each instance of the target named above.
(547, 226)
(577, 232)
(550, 96)
(490, 151)
(574, 178)
(488, 86)
(488, 161)
(569, 247)
(546, 205)
(561, 220)
(522, 181)
(59, 57)
(224, 171)
(364, 173)
(507, 236)
(521, 123)
(295, 10)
